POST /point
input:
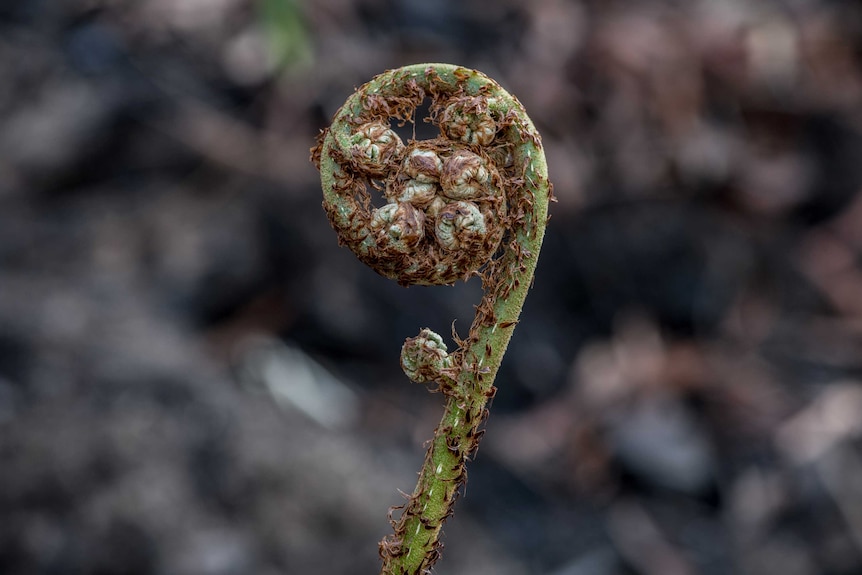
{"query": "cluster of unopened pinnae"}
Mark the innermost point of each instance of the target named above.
(472, 201)
(424, 360)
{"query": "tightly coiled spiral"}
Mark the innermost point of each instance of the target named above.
(448, 200)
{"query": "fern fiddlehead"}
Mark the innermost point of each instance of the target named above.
(471, 202)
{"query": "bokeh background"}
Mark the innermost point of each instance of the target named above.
(196, 380)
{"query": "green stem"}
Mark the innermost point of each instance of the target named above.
(506, 277)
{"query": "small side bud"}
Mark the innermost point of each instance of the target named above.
(424, 357)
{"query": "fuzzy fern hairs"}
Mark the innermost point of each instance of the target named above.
(471, 202)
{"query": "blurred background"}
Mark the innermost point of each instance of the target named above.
(196, 380)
